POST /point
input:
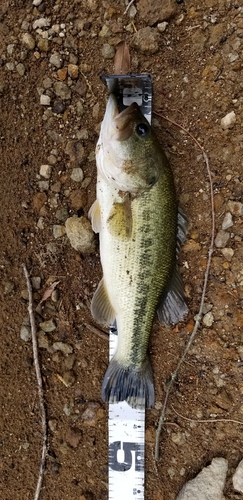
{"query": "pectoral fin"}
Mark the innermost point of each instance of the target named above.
(101, 308)
(94, 216)
(120, 218)
(173, 307)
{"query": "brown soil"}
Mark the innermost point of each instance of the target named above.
(196, 82)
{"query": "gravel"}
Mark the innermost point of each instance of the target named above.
(208, 484)
(80, 234)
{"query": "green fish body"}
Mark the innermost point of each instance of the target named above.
(136, 215)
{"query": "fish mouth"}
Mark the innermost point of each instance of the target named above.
(123, 121)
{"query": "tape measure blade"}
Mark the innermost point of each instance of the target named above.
(126, 448)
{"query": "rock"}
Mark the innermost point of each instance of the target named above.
(223, 400)
(208, 319)
(41, 23)
(105, 32)
(64, 348)
(10, 66)
(20, 69)
(235, 207)
(228, 253)
(155, 11)
(8, 287)
(43, 185)
(62, 74)
(36, 3)
(69, 361)
(108, 51)
(221, 239)
(45, 171)
(146, 40)
(208, 484)
(227, 222)
(43, 341)
(58, 231)
(75, 151)
(56, 60)
(62, 214)
(73, 71)
(78, 199)
(80, 234)
(48, 326)
(62, 90)
(162, 26)
(36, 282)
(73, 437)
(228, 121)
(90, 415)
(238, 478)
(58, 107)
(28, 41)
(45, 100)
(77, 174)
(43, 45)
(25, 333)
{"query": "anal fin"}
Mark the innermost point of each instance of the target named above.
(101, 308)
(173, 307)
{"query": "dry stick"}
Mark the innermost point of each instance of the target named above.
(128, 7)
(40, 387)
(206, 420)
(199, 315)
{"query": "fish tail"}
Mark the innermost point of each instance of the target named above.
(129, 383)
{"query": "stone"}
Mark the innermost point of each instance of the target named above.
(64, 348)
(80, 234)
(156, 11)
(20, 69)
(58, 231)
(146, 40)
(108, 51)
(221, 239)
(58, 107)
(228, 121)
(77, 174)
(90, 415)
(56, 60)
(62, 90)
(43, 341)
(227, 222)
(208, 484)
(75, 151)
(162, 26)
(48, 326)
(235, 207)
(43, 45)
(28, 41)
(39, 200)
(238, 478)
(41, 23)
(62, 214)
(25, 333)
(208, 319)
(69, 378)
(228, 253)
(36, 282)
(45, 100)
(45, 171)
(73, 71)
(62, 74)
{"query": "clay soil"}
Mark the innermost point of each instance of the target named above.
(197, 74)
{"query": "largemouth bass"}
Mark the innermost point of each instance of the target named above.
(140, 232)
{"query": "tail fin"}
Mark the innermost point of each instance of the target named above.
(129, 383)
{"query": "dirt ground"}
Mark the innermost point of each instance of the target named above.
(197, 69)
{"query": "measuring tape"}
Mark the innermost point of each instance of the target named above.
(127, 425)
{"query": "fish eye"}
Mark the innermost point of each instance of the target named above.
(142, 129)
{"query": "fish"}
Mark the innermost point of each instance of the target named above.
(140, 231)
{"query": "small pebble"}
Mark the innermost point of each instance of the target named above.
(48, 326)
(162, 26)
(58, 107)
(80, 234)
(43, 341)
(227, 222)
(52, 423)
(58, 231)
(69, 378)
(238, 478)
(25, 333)
(45, 171)
(20, 69)
(235, 207)
(62, 90)
(45, 100)
(36, 3)
(221, 239)
(73, 437)
(56, 60)
(208, 319)
(89, 416)
(36, 282)
(108, 51)
(73, 71)
(41, 23)
(77, 174)
(64, 348)
(43, 185)
(228, 253)
(55, 296)
(228, 121)
(28, 41)
(69, 361)
(62, 214)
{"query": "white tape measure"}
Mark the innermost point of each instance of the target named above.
(126, 448)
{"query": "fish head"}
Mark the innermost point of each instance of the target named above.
(128, 152)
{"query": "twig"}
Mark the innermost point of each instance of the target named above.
(100, 333)
(40, 386)
(128, 7)
(199, 315)
(206, 420)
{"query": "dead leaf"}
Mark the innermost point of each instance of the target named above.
(48, 292)
(122, 61)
